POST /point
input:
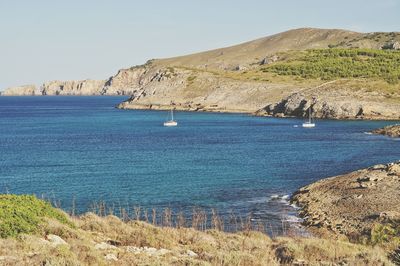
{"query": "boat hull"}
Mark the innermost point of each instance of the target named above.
(308, 125)
(170, 124)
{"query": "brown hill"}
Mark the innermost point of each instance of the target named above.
(255, 51)
(252, 77)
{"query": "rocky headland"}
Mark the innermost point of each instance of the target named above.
(25, 90)
(195, 90)
(259, 77)
(391, 131)
(67, 88)
(351, 205)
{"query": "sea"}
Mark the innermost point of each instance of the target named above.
(78, 152)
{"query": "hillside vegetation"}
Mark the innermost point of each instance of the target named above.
(336, 63)
(24, 215)
(275, 75)
(59, 239)
(253, 52)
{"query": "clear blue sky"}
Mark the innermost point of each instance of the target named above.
(53, 39)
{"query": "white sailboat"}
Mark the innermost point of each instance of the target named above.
(309, 123)
(172, 122)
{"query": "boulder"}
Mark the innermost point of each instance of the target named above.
(191, 253)
(394, 169)
(147, 250)
(394, 45)
(56, 240)
(111, 257)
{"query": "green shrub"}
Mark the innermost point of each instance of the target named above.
(24, 213)
(334, 63)
(382, 233)
(385, 233)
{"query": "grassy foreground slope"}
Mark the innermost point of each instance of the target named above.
(92, 240)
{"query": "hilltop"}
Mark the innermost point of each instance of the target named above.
(341, 74)
(257, 51)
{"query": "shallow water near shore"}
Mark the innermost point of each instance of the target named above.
(83, 148)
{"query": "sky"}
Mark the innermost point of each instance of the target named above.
(46, 40)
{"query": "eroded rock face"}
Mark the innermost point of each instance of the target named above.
(350, 204)
(82, 87)
(335, 105)
(392, 45)
(57, 87)
(26, 90)
(126, 81)
(191, 90)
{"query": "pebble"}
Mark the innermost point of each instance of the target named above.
(147, 250)
(191, 253)
(103, 246)
(111, 257)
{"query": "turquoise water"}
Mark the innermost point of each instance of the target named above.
(84, 148)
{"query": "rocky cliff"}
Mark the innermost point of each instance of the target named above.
(26, 90)
(82, 87)
(234, 79)
(195, 90)
(255, 77)
(76, 87)
(56, 87)
(336, 101)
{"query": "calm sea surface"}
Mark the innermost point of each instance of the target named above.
(83, 148)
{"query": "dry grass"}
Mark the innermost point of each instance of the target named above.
(212, 247)
(91, 239)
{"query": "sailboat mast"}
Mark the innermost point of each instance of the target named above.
(309, 114)
(172, 114)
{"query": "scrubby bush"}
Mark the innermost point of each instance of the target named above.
(24, 214)
(334, 63)
(383, 233)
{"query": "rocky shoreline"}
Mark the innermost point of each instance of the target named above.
(391, 131)
(329, 102)
(349, 205)
(236, 79)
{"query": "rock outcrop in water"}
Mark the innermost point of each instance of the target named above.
(391, 131)
(351, 204)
